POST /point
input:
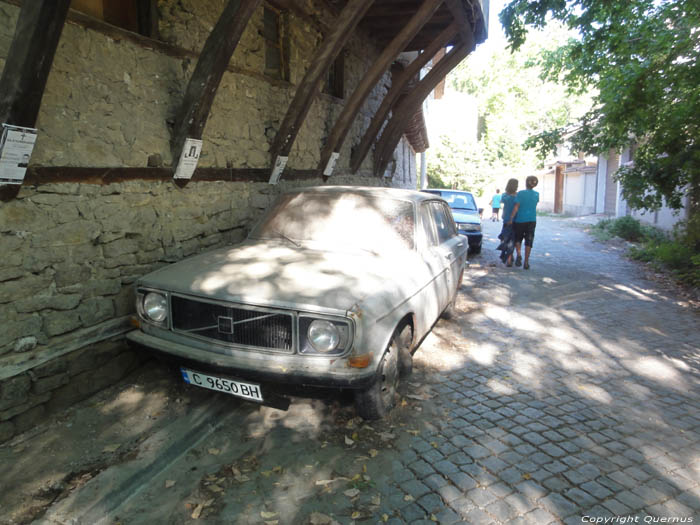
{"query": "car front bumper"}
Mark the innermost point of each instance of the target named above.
(274, 370)
(474, 238)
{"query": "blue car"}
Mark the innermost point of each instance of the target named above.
(466, 215)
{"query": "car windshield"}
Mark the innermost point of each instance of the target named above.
(352, 220)
(459, 200)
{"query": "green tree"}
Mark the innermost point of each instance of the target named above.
(641, 56)
(457, 165)
(513, 101)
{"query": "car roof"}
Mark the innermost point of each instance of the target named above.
(395, 193)
(438, 191)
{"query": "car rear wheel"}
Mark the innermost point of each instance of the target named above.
(378, 400)
(404, 341)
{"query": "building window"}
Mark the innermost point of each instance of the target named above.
(335, 79)
(138, 16)
(275, 33)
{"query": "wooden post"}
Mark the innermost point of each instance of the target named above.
(405, 109)
(205, 80)
(381, 65)
(397, 88)
(29, 60)
(559, 189)
(310, 85)
(28, 64)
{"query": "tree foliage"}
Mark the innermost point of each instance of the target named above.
(513, 103)
(457, 165)
(641, 56)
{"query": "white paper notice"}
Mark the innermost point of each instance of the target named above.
(188, 158)
(280, 163)
(16, 146)
(331, 164)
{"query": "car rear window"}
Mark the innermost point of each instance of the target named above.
(352, 220)
(459, 200)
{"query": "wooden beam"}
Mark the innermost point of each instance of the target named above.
(212, 63)
(405, 110)
(41, 175)
(381, 65)
(29, 60)
(397, 87)
(465, 28)
(147, 16)
(310, 85)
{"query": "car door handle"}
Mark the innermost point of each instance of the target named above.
(460, 245)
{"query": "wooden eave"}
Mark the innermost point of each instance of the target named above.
(386, 18)
(417, 133)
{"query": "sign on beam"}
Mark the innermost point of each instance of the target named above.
(16, 146)
(188, 159)
(280, 163)
(331, 164)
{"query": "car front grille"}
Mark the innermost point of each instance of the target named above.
(237, 325)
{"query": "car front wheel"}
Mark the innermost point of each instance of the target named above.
(378, 400)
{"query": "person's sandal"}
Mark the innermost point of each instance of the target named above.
(509, 264)
(518, 261)
(526, 266)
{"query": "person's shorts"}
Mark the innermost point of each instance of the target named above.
(524, 231)
(496, 210)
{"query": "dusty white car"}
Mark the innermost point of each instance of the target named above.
(334, 287)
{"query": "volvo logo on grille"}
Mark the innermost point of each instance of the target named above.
(225, 325)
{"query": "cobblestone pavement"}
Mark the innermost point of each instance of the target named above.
(564, 393)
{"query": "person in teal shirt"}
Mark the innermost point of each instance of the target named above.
(507, 235)
(524, 217)
(495, 206)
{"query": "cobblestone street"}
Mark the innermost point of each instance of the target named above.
(564, 393)
(576, 394)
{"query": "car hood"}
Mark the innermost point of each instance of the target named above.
(466, 216)
(276, 273)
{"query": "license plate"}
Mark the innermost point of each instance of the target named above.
(228, 386)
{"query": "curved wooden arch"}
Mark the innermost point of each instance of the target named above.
(408, 106)
(397, 88)
(211, 65)
(310, 85)
(381, 65)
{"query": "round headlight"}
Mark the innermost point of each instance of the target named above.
(324, 336)
(155, 306)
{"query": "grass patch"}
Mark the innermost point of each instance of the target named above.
(676, 253)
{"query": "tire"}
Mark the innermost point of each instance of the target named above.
(377, 401)
(475, 250)
(404, 341)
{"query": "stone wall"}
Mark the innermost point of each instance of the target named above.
(72, 251)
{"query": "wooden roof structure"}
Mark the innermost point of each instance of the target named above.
(426, 26)
(396, 26)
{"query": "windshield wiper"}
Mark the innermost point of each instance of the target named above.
(295, 243)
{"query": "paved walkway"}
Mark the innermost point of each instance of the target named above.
(566, 393)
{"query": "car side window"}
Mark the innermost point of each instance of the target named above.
(443, 221)
(428, 227)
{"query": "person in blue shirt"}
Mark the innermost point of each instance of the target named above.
(524, 217)
(507, 236)
(495, 206)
